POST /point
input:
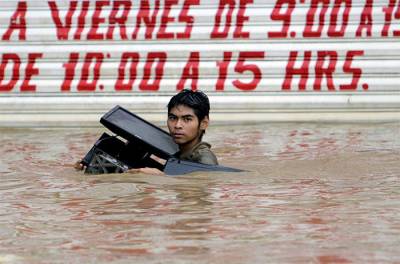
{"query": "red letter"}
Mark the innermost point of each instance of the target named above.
(151, 57)
(285, 17)
(303, 71)
(388, 10)
(15, 72)
(144, 14)
(241, 18)
(162, 32)
(222, 3)
(134, 58)
(81, 20)
(355, 71)
(388, 18)
(62, 30)
(396, 33)
(191, 71)
(366, 19)
(320, 71)
(97, 20)
(83, 84)
(308, 31)
(241, 67)
(19, 14)
(223, 71)
(119, 20)
(332, 31)
(29, 72)
(189, 20)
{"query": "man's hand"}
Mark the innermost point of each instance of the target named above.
(152, 171)
(79, 166)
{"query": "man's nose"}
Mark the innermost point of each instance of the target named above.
(178, 123)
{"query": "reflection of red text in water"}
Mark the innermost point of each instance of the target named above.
(241, 145)
(307, 144)
(301, 145)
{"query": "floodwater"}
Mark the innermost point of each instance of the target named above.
(313, 193)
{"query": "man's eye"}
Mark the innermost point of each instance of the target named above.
(172, 118)
(187, 119)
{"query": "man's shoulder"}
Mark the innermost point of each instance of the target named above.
(202, 146)
(202, 153)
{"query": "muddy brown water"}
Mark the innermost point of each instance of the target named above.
(312, 193)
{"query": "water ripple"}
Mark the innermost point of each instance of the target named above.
(312, 193)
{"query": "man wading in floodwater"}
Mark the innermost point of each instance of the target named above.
(188, 119)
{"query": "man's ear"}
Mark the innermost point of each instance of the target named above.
(204, 123)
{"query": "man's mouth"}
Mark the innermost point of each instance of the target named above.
(178, 135)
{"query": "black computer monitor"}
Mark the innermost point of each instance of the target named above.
(133, 146)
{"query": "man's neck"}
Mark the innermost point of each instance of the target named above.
(189, 145)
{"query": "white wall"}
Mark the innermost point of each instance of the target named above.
(60, 61)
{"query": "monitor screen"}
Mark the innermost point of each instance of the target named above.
(130, 126)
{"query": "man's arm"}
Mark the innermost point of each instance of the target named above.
(147, 170)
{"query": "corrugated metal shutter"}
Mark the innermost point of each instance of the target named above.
(67, 62)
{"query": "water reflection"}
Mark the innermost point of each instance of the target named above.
(312, 194)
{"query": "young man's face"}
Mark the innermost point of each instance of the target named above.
(184, 126)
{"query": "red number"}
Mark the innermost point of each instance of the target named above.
(94, 59)
(133, 58)
(308, 31)
(153, 57)
(332, 31)
(241, 67)
(285, 17)
(69, 71)
(223, 71)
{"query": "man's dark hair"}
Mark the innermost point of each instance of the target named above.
(196, 100)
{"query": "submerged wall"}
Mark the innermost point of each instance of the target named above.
(64, 63)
